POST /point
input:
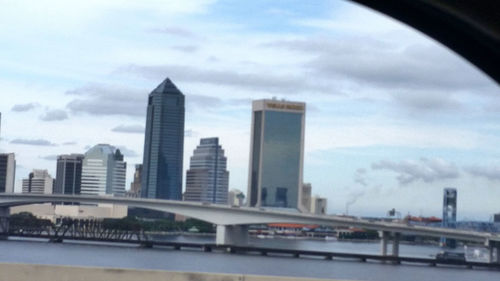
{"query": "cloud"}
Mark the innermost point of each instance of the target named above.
(426, 170)
(489, 173)
(186, 48)
(24, 107)
(132, 129)
(69, 143)
(54, 115)
(39, 142)
(263, 81)
(386, 65)
(108, 100)
(426, 101)
(49, 157)
(176, 31)
(205, 102)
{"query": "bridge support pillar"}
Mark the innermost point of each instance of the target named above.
(235, 235)
(493, 251)
(395, 244)
(4, 222)
(384, 237)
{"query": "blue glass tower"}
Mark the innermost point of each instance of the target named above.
(164, 143)
(276, 154)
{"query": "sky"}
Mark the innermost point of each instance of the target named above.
(392, 116)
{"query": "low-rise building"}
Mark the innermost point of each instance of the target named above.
(318, 205)
(38, 182)
(235, 197)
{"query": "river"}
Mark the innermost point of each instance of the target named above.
(131, 256)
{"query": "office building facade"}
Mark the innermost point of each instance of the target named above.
(103, 171)
(449, 214)
(276, 154)
(38, 182)
(69, 174)
(306, 197)
(135, 185)
(7, 172)
(235, 197)
(164, 143)
(319, 205)
(207, 179)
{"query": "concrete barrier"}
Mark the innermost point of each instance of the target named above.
(26, 272)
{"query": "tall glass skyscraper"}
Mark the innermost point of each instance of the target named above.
(276, 154)
(164, 143)
(207, 179)
(69, 174)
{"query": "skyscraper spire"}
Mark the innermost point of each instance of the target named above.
(167, 87)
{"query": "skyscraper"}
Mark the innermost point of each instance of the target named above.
(38, 182)
(135, 186)
(449, 214)
(103, 171)
(164, 143)
(276, 154)
(7, 172)
(306, 197)
(207, 179)
(69, 174)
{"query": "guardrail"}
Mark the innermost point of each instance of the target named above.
(23, 272)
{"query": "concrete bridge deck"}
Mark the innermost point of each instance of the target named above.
(232, 222)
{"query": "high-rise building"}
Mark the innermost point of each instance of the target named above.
(7, 172)
(38, 182)
(69, 174)
(207, 179)
(318, 205)
(496, 218)
(276, 154)
(164, 143)
(306, 196)
(235, 197)
(449, 214)
(103, 171)
(135, 185)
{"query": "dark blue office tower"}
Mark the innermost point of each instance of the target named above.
(164, 143)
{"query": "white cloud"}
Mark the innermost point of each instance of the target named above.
(37, 142)
(54, 115)
(133, 129)
(24, 107)
(424, 169)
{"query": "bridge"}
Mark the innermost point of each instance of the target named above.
(232, 222)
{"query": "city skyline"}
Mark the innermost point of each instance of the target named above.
(393, 117)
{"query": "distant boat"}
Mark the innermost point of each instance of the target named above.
(330, 238)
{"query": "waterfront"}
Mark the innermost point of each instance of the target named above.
(131, 256)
